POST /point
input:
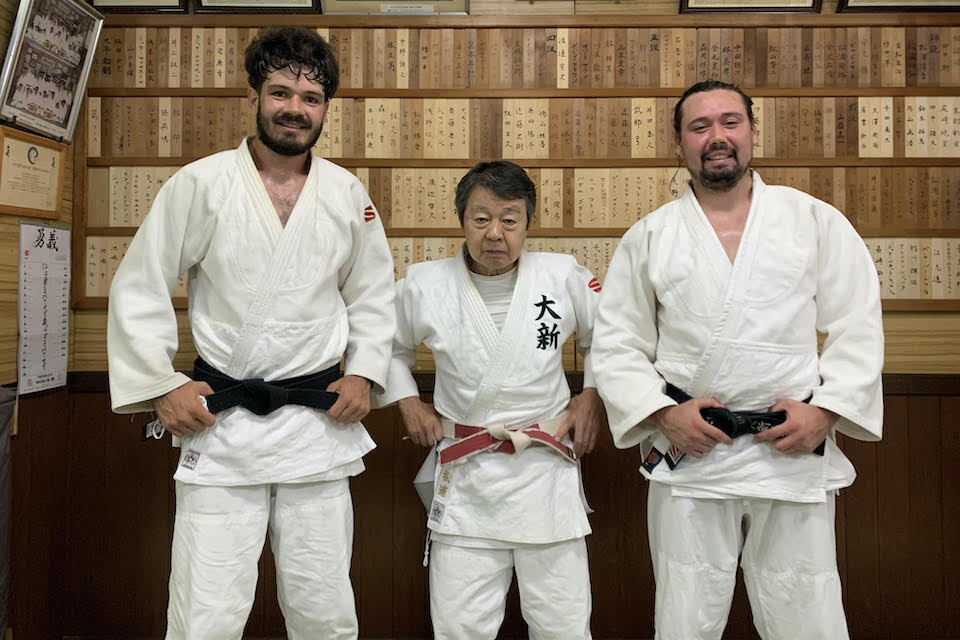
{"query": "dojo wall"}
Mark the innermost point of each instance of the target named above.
(93, 508)
(846, 105)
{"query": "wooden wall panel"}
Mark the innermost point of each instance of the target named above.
(10, 236)
(833, 124)
(94, 512)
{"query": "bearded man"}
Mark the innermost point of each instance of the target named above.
(289, 272)
(706, 331)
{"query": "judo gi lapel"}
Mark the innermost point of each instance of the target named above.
(279, 244)
(735, 276)
(502, 348)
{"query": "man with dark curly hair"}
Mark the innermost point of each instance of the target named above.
(289, 273)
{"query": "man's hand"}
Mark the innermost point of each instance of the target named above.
(181, 412)
(805, 428)
(354, 402)
(421, 421)
(685, 428)
(585, 416)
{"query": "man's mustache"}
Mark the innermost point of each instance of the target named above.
(301, 121)
(719, 147)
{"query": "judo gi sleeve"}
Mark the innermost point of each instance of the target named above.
(400, 382)
(141, 322)
(584, 290)
(849, 314)
(624, 343)
(367, 288)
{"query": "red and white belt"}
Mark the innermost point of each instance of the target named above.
(496, 437)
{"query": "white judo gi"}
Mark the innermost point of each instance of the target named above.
(265, 301)
(675, 309)
(494, 512)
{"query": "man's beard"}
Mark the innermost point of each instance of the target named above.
(281, 144)
(721, 178)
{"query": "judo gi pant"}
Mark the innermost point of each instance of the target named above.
(217, 540)
(788, 560)
(468, 590)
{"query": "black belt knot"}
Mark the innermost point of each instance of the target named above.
(261, 397)
(737, 423)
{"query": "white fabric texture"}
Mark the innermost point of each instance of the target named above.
(789, 566)
(468, 590)
(265, 301)
(674, 308)
(485, 376)
(497, 293)
(217, 541)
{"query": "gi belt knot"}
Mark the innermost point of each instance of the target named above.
(741, 423)
(519, 439)
(261, 397)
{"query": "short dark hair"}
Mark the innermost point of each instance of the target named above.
(299, 49)
(504, 179)
(710, 85)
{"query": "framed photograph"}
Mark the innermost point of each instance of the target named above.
(256, 6)
(48, 61)
(140, 6)
(410, 7)
(883, 5)
(31, 174)
(750, 6)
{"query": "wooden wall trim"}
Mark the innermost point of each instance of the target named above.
(533, 21)
(893, 384)
(573, 92)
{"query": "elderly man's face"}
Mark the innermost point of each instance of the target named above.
(716, 138)
(495, 231)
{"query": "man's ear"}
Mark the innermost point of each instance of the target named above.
(252, 97)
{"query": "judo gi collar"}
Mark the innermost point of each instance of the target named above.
(503, 345)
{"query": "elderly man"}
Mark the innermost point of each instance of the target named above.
(706, 331)
(507, 489)
(289, 272)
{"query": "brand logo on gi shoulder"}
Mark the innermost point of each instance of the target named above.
(369, 214)
(190, 459)
(594, 284)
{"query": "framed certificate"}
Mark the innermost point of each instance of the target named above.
(412, 7)
(883, 5)
(45, 72)
(140, 6)
(31, 174)
(257, 6)
(750, 6)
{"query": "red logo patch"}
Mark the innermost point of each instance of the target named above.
(595, 285)
(368, 213)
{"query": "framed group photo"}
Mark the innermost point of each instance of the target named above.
(48, 61)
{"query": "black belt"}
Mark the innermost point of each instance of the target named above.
(257, 395)
(732, 423)
(261, 397)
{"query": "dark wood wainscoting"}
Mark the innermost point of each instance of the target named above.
(93, 516)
